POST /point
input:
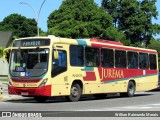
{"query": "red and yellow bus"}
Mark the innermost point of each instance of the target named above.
(51, 66)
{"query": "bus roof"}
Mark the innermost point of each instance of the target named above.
(93, 42)
(106, 41)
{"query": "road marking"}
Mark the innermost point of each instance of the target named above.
(156, 104)
(140, 93)
(136, 107)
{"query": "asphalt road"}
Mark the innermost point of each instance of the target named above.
(149, 101)
(143, 101)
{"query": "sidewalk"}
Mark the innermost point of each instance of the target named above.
(5, 96)
(3, 80)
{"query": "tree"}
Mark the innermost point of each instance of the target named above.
(112, 7)
(149, 10)
(80, 19)
(20, 25)
(134, 18)
(113, 34)
(130, 20)
(1, 52)
(155, 44)
(42, 33)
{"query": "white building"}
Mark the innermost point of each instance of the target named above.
(5, 41)
(3, 68)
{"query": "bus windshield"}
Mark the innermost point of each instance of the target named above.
(29, 62)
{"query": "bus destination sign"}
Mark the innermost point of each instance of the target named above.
(31, 42)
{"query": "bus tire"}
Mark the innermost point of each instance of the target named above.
(130, 90)
(41, 99)
(75, 93)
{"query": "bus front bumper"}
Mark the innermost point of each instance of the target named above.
(39, 91)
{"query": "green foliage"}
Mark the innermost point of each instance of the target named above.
(134, 18)
(129, 20)
(112, 9)
(155, 44)
(114, 34)
(81, 19)
(42, 33)
(1, 52)
(20, 25)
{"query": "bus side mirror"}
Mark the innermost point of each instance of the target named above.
(55, 54)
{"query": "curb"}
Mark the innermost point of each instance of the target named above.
(3, 81)
(4, 96)
(1, 97)
(11, 97)
(1, 92)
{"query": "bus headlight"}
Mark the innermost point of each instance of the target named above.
(43, 82)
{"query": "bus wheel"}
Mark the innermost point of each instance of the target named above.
(75, 93)
(130, 90)
(40, 99)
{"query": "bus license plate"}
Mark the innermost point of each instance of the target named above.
(24, 93)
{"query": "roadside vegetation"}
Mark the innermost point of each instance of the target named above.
(128, 21)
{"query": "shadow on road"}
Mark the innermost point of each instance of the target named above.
(83, 98)
(155, 90)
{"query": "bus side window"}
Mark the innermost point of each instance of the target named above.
(92, 57)
(143, 61)
(132, 60)
(107, 58)
(120, 59)
(76, 55)
(153, 63)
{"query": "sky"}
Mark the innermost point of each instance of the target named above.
(8, 7)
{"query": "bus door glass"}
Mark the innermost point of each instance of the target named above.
(59, 64)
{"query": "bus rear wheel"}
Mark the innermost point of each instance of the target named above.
(41, 99)
(130, 90)
(75, 92)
